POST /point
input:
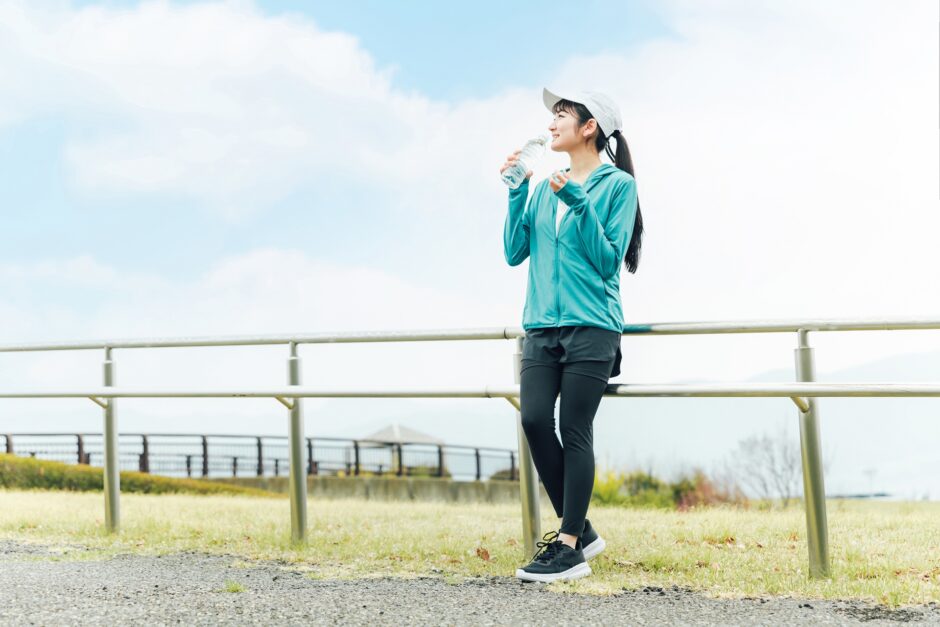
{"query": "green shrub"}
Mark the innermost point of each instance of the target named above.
(635, 489)
(641, 489)
(27, 473)
(410, 471)
(699, 490)
(607, 488)
(506, 474)
(426, 471)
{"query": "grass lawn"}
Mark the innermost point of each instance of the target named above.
(883, 552)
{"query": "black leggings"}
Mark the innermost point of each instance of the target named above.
(567, 473)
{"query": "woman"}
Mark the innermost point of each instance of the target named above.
(576, 228)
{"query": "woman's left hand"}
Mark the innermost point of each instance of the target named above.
(557, 180)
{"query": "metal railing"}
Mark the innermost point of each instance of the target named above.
(209, 456)
(803, 394)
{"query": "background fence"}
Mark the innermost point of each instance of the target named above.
(210, 456)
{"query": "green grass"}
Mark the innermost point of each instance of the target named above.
(233, 586)
(883, 552)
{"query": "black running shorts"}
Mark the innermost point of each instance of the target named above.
(590, 351)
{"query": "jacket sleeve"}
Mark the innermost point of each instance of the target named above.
(516, 228)
(604, 244)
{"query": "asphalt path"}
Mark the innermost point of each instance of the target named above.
(41, 586)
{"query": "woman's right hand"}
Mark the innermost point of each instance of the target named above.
(510, 160)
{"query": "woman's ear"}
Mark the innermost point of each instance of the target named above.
(590, 127)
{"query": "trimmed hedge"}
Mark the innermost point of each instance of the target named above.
(27, 473)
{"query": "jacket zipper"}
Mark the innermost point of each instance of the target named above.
(555, 257)
(557, 233)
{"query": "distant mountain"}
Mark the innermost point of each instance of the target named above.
(907, 368)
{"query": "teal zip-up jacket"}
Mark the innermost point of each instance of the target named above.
(574, 278)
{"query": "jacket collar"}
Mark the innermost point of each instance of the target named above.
(597, 175)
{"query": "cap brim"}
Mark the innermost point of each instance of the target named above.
(549, 98)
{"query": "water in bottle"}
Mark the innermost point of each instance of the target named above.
(531, 153)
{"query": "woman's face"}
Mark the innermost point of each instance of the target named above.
(565, 132)
(566, 136)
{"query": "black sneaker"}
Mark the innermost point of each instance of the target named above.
(592, 543)
(556, 562)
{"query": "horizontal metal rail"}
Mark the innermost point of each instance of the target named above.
(718, 390)
(498, 333)
(488, 333)
(783, 326)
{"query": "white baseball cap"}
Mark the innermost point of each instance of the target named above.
(601, 106)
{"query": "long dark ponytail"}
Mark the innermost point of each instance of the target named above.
(620, 158)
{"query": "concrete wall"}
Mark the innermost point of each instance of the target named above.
(398, 488)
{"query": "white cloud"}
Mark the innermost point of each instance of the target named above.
(83, 270)
(215, 100)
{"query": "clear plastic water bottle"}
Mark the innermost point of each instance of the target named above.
(531, 153)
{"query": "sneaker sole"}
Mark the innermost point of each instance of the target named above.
(594, 548)
(575, 572)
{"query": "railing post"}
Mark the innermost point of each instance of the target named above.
(528, 480)
(80, 446)
(112, 470)
(298, 479)
(310, 468)
(189, 465)
(235, 466)
(401, 460)
(9, 438)
(440, 460)
(205, 456)
(145, 455)
(476, 455)
(260, 458)
(356, 456)
(814, 491)
(512, 466)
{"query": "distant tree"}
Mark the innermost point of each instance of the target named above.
(769, 466)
